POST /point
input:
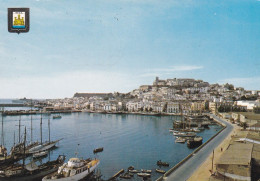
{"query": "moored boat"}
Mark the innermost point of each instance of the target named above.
(56, 116)
(180, 140)
(131, 168)
(126, 176)
(40, 154)
(160, 171)
(195, 142)
(98, 150)
(75, 169)
(31, 171)
(160, 163)
(134, 171)
(144, 174)
(146, 171)
(188, 134)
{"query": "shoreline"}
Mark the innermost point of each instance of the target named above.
(171, 170)
(203, 172)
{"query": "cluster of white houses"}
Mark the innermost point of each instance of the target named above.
(169, 96)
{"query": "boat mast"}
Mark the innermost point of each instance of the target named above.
(182, 118)
(2, 140)
(31, 123)
(41, 127)
(49, 129)
(14, 138)
(24, 145)
(19, 128)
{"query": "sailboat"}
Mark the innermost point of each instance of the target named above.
(31, 171)
(43, 146)
(5, 159)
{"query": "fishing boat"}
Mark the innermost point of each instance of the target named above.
(75, 169)
(31, 171)
(144, 174)
(56, 117)
(146, 171)
(160, 163)
(188, 134)
(98, 150)
(180, 140)
(134, 171)
(160, 171)
(195, 142)
(126, 175)
(196, 129)
(131, 168)
(40, 154)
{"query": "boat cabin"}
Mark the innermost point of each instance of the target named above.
(75, 162)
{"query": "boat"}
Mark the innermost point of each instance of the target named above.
(146, 171)
(98, 150)
(131, 168)
(44, 146)
(126, 175)
(134, 171)
(144, 174)
(180, 140)
(56, 117)
(201, 128)
(31, 171)
(160, 163)
(160, 171)
(195, 142)
(40, 154)
(196, 129)
(188, 134)
(75, 169)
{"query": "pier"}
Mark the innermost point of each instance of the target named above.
(117, 174)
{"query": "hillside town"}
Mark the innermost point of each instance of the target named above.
(171, 96)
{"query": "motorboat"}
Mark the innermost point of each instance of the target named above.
(75, 169)
(146, 171)
(160, 163)
(160, 171)
(180, 140)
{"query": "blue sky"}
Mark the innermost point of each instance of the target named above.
(117, 45)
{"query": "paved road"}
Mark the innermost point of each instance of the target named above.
(186, 170)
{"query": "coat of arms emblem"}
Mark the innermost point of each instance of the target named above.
(18, 20)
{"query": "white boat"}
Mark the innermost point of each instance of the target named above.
(176, 133)
(40, 154)
(144, 174)
(146, 171)
(196, 129)
(180, 140)
(134, 171)
(75, 169)
(43, 147)
(188, 134)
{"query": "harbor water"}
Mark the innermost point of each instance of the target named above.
(128, 140)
